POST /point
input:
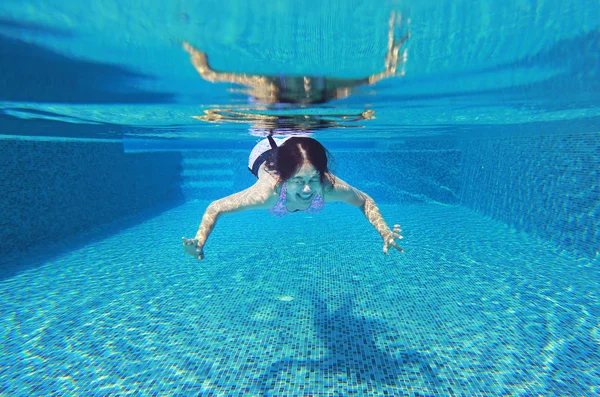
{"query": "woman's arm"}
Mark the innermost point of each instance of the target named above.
(342, 88)
(200, 61)
(261, 195)
(342, 191)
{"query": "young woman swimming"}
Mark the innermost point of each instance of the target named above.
(293, 176)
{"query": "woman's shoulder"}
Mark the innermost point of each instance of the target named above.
(331, 183)
(269, 185)
(268, 177)
(336, 189)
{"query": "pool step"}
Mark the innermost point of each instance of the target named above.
(203, 161)
(206, 174)
(205, 177)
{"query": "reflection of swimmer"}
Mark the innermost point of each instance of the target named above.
(301, 89)
(290, 123)
(292, 177)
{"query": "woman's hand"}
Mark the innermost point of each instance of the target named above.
(190, 245)
(390, 240)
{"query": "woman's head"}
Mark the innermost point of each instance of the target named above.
(297, 151)
(302, 162)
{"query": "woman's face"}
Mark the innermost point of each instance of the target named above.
(304, 184)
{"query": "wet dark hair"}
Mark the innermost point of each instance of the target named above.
(290, 156)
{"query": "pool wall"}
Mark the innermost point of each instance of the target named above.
(52, 190)
(546, 185)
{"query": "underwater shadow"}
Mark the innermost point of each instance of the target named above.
(32, 73)
(353, 354)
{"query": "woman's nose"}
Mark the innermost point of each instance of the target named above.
(306, 188)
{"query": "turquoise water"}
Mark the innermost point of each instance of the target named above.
(486, 152)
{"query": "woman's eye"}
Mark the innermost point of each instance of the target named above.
(302, 182)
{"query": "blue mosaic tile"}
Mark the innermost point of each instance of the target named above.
(132, 315)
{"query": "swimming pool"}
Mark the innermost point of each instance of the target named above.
(486, 152)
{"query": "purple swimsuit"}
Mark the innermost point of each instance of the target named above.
(280, 209)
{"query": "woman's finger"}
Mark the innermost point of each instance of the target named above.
(397, 247)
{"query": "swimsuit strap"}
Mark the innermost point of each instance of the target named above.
(272, 141)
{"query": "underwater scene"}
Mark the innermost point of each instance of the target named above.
(299, 198)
